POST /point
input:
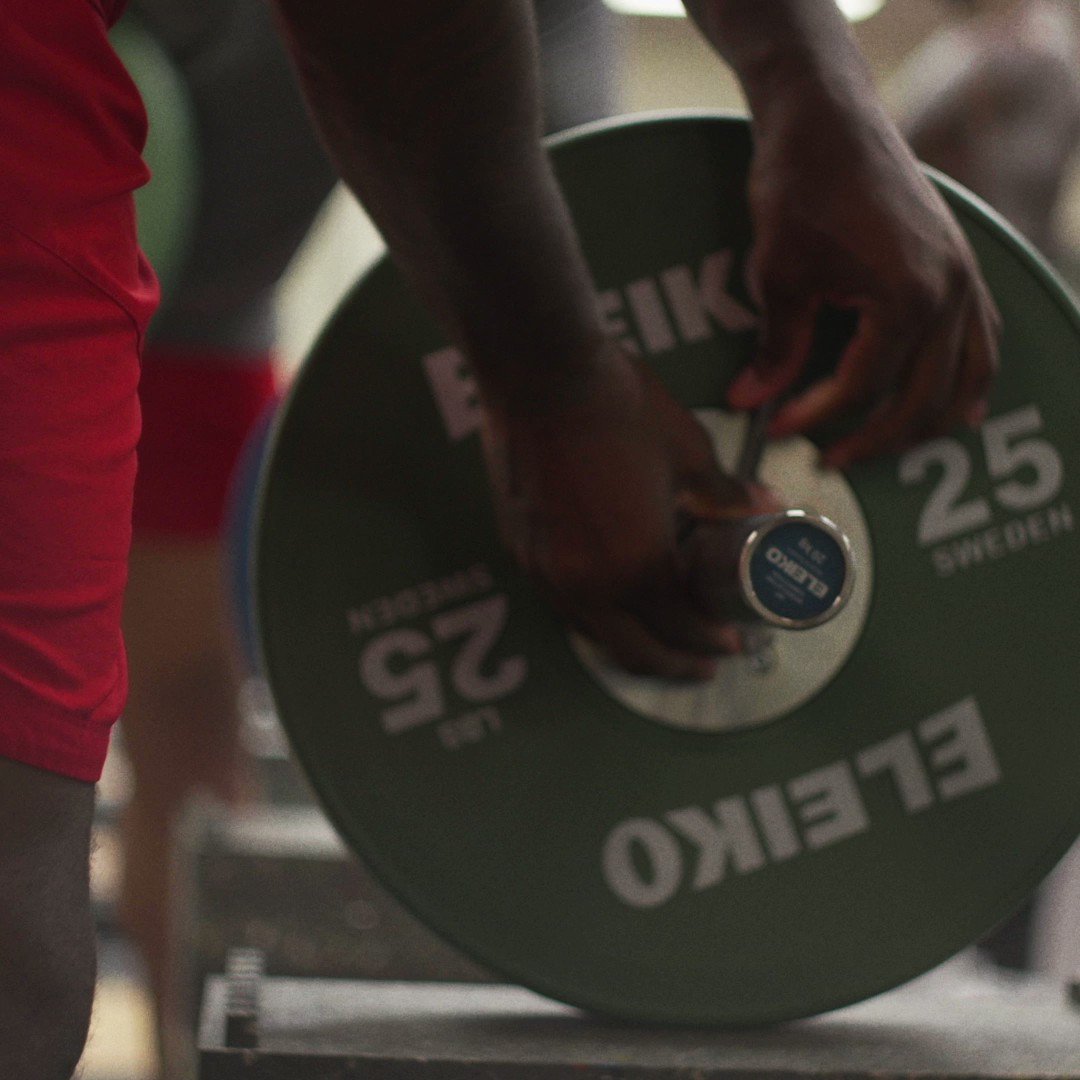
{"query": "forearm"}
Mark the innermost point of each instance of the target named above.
(786, 53)
(430, 110)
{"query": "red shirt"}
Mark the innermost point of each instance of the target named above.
(75, 297)
(72, 130)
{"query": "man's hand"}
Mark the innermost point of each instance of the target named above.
(592, 462)
(592, 491)
(844, 217)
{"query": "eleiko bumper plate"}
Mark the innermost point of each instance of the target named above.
(790, 839)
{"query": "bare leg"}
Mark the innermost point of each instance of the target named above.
(181, 734)
(47, 956)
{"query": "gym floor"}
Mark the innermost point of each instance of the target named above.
(121, 1044)
(665, 66)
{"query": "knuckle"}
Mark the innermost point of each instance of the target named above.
(979, 393)
(921, 302)
(637, 663)
(573, 584)
(775, 278)
(871, 382)
(958, 277)
(567, 579)
(861, 384)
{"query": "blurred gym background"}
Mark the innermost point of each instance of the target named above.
(236, 870)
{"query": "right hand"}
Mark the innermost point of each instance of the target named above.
(592, 491)
(844, 217)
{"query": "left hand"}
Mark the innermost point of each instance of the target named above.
(594, 489)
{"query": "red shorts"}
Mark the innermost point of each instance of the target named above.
(75, 298)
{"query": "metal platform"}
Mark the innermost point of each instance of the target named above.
(953, 1023)
(278, 879)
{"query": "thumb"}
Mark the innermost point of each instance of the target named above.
(713, 496)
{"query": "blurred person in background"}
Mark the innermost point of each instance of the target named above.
(993, 100)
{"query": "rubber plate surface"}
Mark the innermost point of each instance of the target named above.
(572, 841)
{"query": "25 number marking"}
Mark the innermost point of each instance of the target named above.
(417, 688)
(1010, 442)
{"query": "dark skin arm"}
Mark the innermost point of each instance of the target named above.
(429, 108)
(844, 217)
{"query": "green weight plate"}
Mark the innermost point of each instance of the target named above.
(797, 835)
(166, 205)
